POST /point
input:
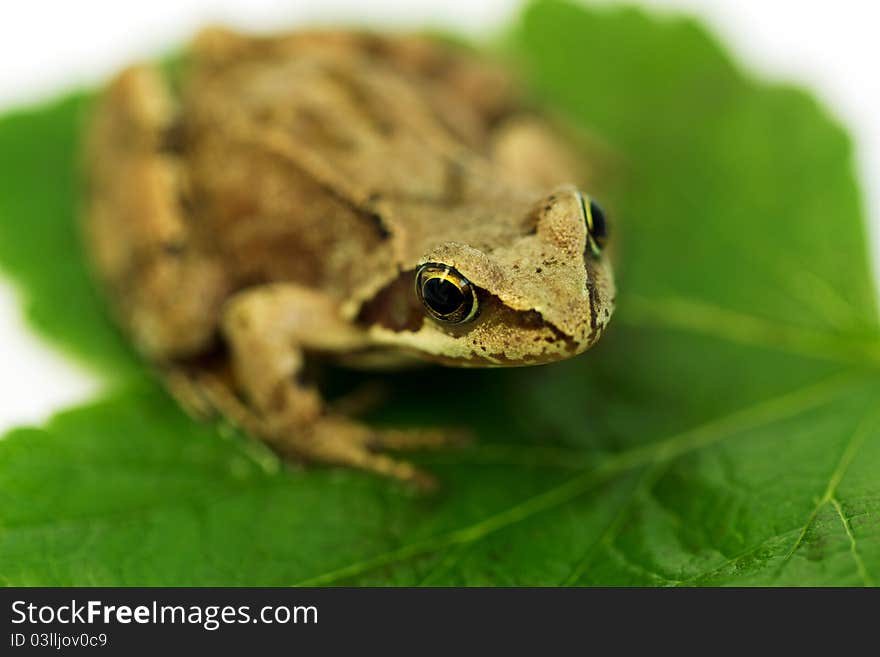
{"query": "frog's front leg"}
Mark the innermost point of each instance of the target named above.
(269, 329)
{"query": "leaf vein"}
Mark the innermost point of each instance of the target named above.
(697, 317)
(775, 409)
(860, 564)
(852, 446)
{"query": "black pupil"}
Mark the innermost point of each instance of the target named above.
(444, 297)
(600, 228)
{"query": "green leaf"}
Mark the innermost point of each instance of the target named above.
(39, 237)
(725, 431)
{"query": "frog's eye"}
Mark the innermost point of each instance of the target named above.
(447, 295)
(597, 225)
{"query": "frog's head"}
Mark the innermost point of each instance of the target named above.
(546, 294)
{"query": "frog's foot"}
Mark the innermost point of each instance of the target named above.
(329, 440)
(339, 441)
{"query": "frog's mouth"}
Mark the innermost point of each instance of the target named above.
(498, 337)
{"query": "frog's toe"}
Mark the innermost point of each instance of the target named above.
(338, 441)
(362, 400)
(418, 439)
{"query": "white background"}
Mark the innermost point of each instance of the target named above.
(46, 46)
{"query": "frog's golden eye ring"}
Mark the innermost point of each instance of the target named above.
(447, 295)
(597, 225)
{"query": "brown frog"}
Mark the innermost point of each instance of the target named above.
(377, 200)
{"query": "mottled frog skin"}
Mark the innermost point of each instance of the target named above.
(373, 199)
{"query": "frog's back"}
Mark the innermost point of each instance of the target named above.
(302, 149)
(287, 158)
